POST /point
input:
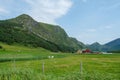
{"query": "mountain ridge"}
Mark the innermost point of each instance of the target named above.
(54, 34)
(95, 46)
(113, 45)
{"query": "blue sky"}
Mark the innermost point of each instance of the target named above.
(87, 20)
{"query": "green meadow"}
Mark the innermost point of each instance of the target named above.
(26, 63)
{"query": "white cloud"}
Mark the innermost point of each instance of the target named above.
(105, 27)
(48, 10)
(84, 1)
(87, 38)
(108, 27)
(91, 30)
(3, 11)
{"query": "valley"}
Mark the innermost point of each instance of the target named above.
(18, 62)
(31, 50)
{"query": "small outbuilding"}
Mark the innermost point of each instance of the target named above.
(79, 51)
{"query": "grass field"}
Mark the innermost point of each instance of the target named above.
(23, 63)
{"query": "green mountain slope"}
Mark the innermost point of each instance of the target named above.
(95, 46)
(23, 29)
(112, 46)
(14, 33)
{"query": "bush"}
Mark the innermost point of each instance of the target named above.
(1, 47)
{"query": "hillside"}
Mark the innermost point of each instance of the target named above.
(112, 46)
(25, 30)
(19, 62)
(95, 46)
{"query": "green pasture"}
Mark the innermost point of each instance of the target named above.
(22, 63)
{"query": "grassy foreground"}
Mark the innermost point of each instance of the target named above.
(22, 63)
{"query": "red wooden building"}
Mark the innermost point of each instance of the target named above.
(86, 51)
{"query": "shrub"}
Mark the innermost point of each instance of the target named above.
(1, 47)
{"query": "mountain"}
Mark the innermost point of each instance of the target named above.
(25, 30)
(95, 46)
(112, 46)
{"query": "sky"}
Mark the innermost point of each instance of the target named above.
(88, 21)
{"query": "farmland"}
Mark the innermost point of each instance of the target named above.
(25, 63)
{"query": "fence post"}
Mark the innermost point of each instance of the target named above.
(81, 68)
(43, 65)
(14, 66)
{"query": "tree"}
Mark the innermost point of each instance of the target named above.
(1, 47)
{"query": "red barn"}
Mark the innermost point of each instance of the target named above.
(86, 51)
